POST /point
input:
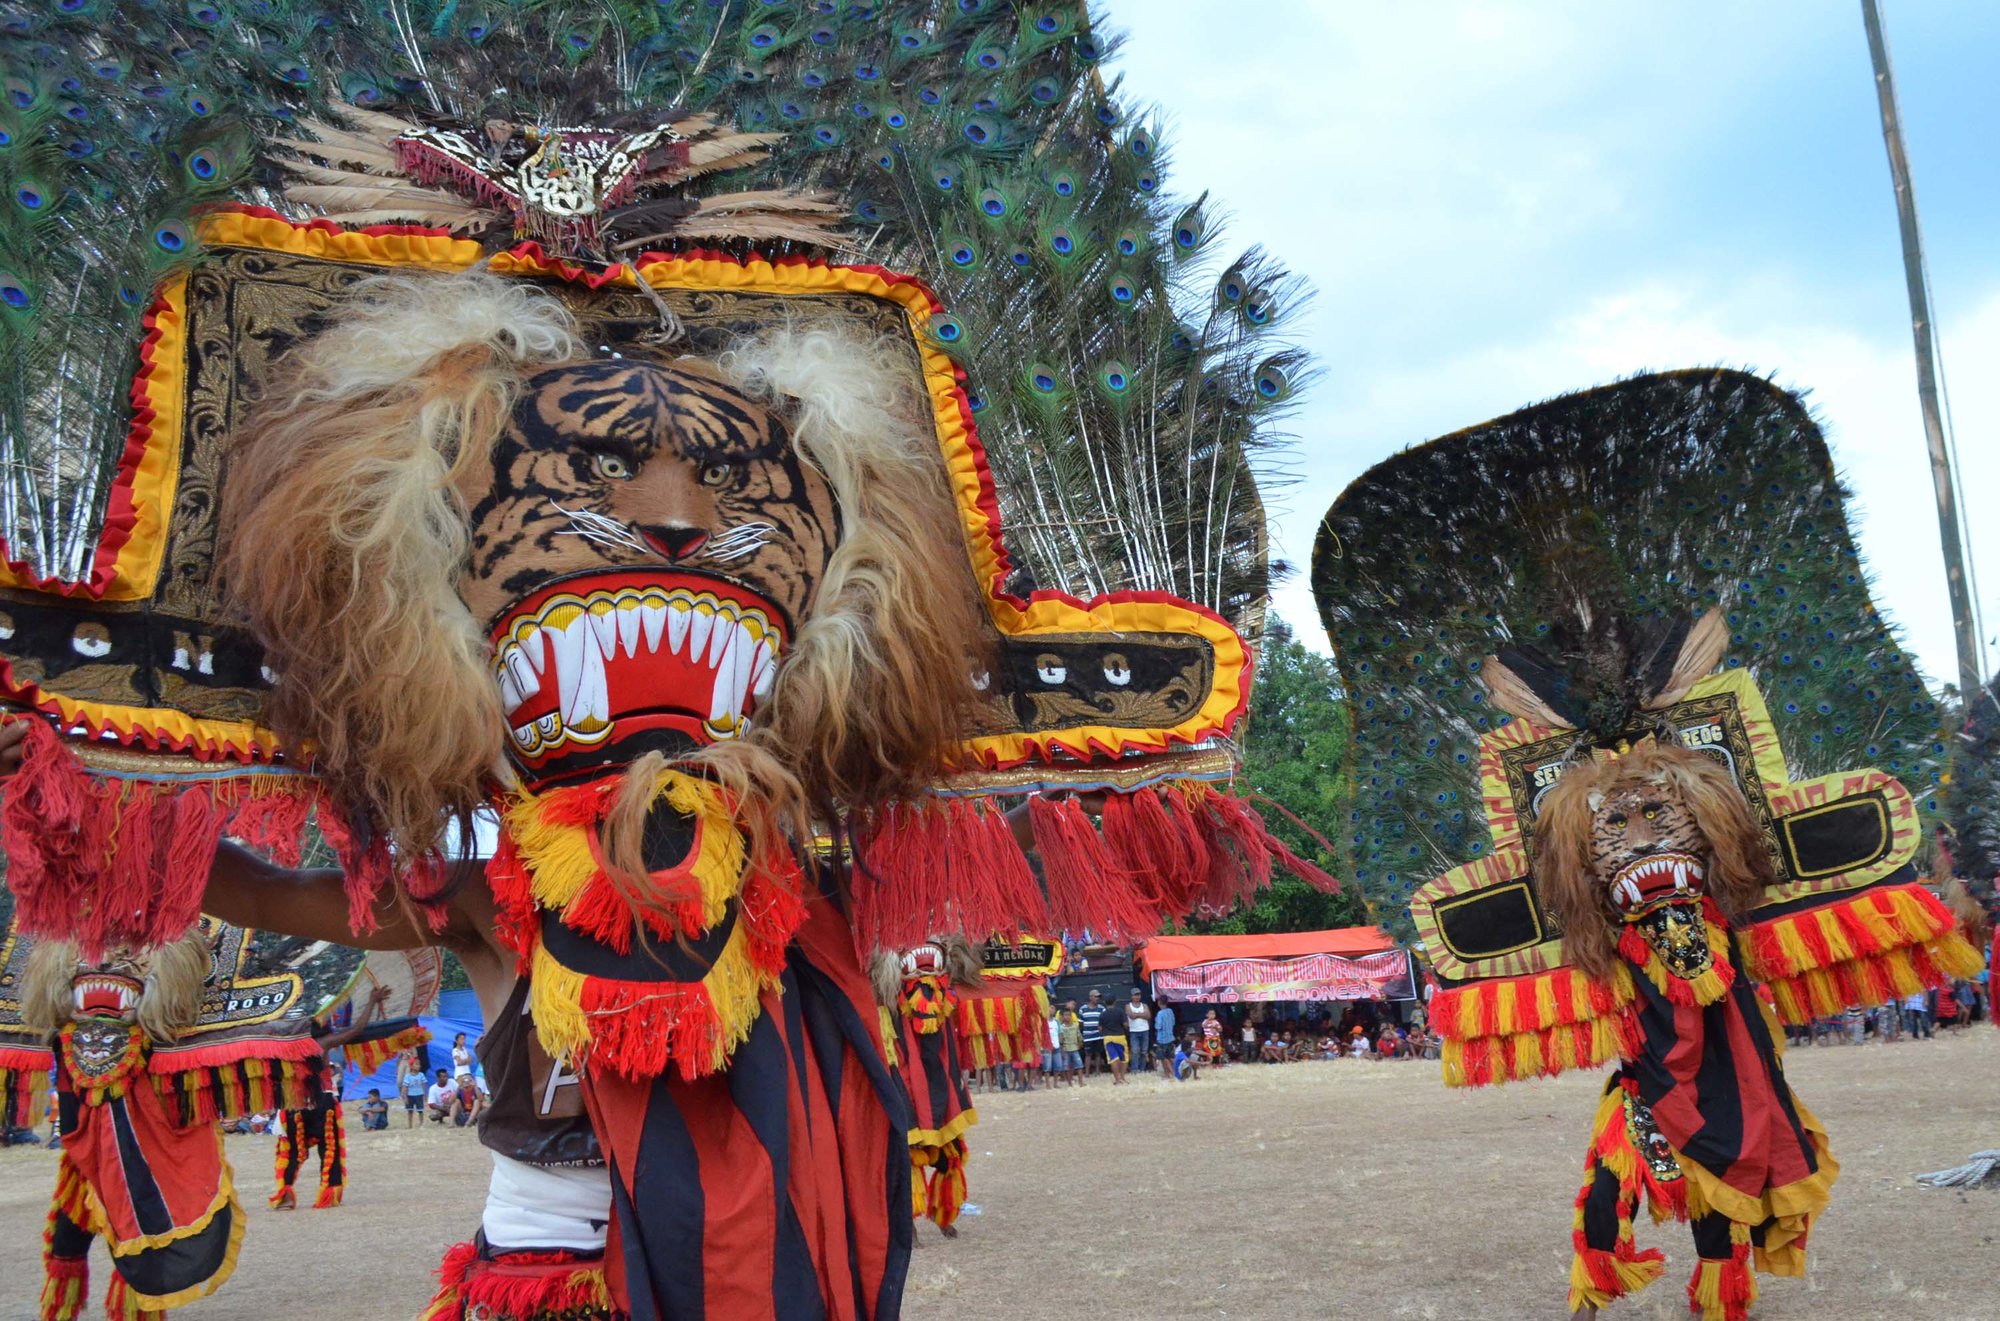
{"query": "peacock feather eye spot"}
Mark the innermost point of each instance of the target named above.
(945, 180)
(1021, 258)
(1148, 182)
(13, 294)
(976, 133)
(6, 138)
(1063, 244)
(70, 6)
(867, 73)
(947, 329)
(975, 403)
(813, 77)
(80, 148)
(885, 160)
(1127, 245)
(477, 31)
(963, 255)
(990, 60)
(128, 295)
(171, 237)
(929, 95)
(198, 106)
(763, 38)
(1107, 115)
(1044, 382)
(201, 165)
(294, 73)
(910, 41)
(1087, 51)
(862, 110)
(29, 197)
(869, 211)
(827, 135)
(986, 105)
(824, 36)
(791, 110)
(1048, 23)
(1045, 91)
(896, 119)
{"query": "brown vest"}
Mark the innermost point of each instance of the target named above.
(536, 1115)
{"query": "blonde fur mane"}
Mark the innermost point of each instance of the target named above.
(344, 541)
(1565, 872)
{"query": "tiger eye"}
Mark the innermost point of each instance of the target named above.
(611, 467)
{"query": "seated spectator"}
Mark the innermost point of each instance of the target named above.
(1385, 1045)
(1273, 1050)
(1187, 1059)
(467, 1100)
(439, 1096)
(1357, 1046)
(374, 1111)
(1329, 1049)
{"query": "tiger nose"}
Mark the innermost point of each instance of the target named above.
(675, 541)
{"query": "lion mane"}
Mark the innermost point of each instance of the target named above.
(344, 539)
(1739, 866)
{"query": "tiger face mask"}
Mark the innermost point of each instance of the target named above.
(644, 540)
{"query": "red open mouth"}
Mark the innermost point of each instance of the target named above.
(593, 659)
(104, 994)
(1646, 881)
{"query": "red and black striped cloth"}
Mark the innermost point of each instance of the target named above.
(775, 1188)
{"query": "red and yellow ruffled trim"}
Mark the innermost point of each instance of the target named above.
(550, 859)
(1859, 951)
(1509, 1028)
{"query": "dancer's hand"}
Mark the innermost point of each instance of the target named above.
(12, 735)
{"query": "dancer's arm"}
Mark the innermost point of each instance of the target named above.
(311, 903)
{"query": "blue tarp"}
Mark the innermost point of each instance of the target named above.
(458, 1011)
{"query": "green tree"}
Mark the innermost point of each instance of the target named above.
(1295, 754)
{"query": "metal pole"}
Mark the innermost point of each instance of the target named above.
(1920, 327)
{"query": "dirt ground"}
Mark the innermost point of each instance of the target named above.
(1305, 1190)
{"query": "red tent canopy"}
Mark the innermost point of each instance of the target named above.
(1164, 952)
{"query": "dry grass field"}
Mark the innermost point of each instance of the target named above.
(1305, 1190)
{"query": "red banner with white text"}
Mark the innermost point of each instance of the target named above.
(1384, 976)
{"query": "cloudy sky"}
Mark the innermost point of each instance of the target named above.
(1497, 202)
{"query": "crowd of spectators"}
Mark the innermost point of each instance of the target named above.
(1916, 1017)
(1094, 1037)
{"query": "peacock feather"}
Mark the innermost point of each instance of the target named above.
(1575, 532)
(1127, 373)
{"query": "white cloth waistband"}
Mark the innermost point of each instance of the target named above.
(546, 1206)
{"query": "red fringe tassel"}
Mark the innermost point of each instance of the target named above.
(947, 864)
(104, 862)
(518, 1286)
(1087, 889)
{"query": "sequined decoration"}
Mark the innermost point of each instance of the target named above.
(1646, 1137)
(1678, 934)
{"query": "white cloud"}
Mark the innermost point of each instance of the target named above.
(1498, 203)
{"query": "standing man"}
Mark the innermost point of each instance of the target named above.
(1091, 1018)
(1139, 1030)
(1163, 1031)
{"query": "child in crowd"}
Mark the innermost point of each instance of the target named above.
(1069, 1042)
(375, 1111)
(1187, 1058)
(1211, 1039)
